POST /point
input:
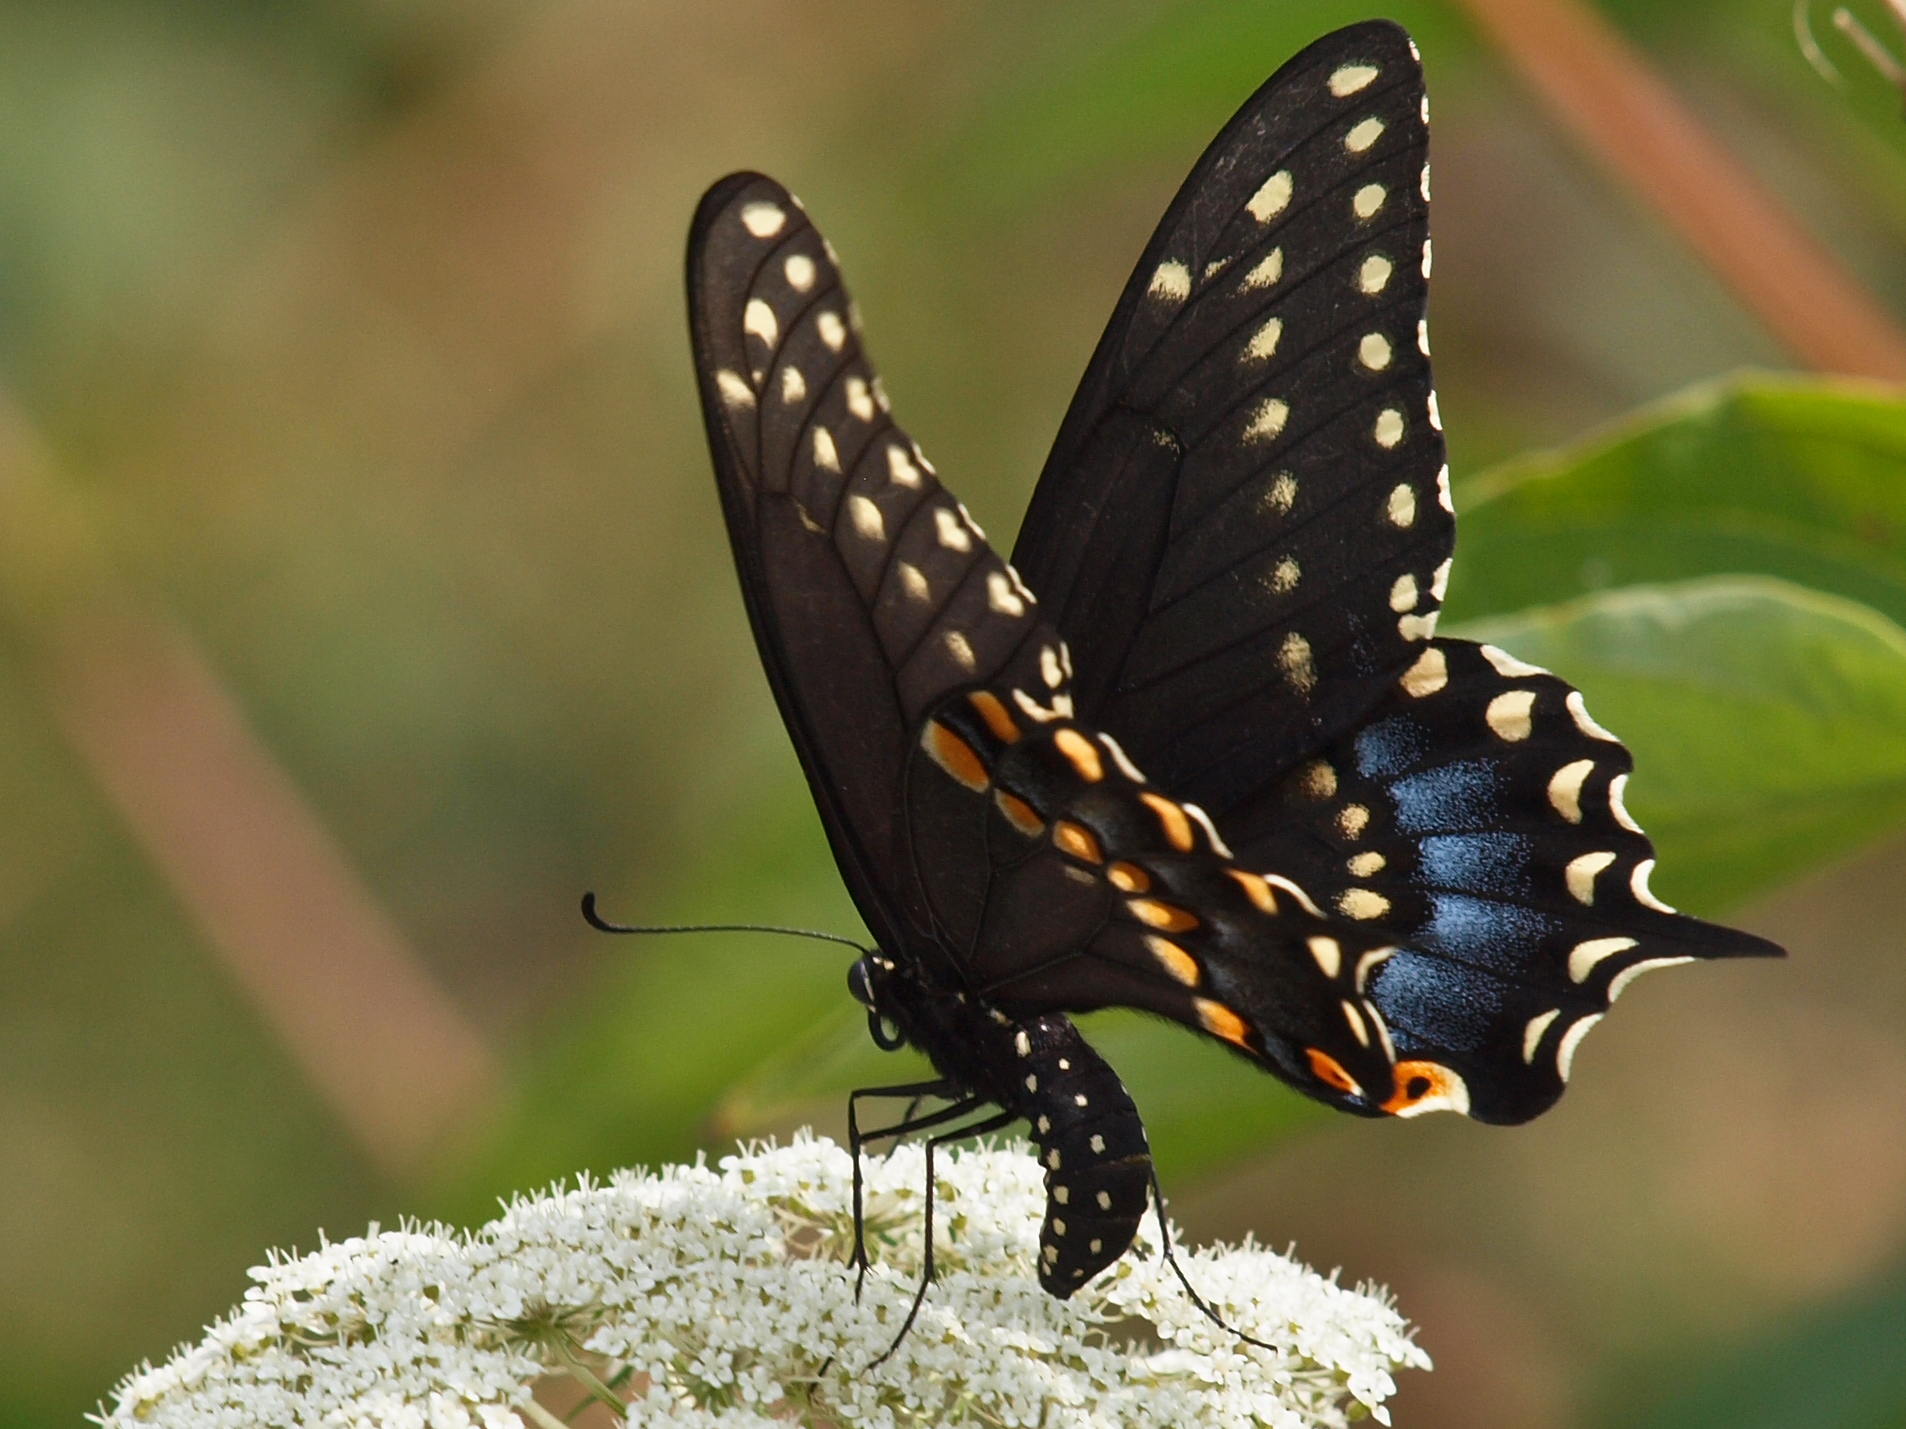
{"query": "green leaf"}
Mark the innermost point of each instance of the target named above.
(1799, 478)
(1768, 721)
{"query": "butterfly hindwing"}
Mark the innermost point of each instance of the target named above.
(1243, 528)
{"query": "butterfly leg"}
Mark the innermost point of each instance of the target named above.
(1164, 1240)
(856, 1139)
(992, 1123)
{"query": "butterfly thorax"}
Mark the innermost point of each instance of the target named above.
(1087, 1130)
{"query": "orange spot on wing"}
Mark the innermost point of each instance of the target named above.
(1221, 1021)
(1256, 889)
(1172, 819)
(1330, 1072)
(1129, 878)
(1425, 1086)
(954, 755)
(1082, 753)
(1161, 915)
(995, 715)
(1174, 960)
(1019, 813)
(1077, 841)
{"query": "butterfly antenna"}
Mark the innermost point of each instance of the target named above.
(1164, 1237)
(601, 925)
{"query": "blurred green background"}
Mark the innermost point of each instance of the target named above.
(363, 599)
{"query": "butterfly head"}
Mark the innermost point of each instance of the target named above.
(870, 980)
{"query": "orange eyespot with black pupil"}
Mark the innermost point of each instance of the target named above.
(1426, 1086)
(1328, 1070)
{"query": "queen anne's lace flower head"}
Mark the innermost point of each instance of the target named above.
(702, 1298)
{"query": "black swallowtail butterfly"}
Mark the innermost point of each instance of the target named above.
(1197, 749)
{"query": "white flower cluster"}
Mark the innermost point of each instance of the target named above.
(696, 1299)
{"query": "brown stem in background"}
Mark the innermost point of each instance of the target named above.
(1607, 96)
(254, 867)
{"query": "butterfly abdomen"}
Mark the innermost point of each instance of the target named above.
(1092, 1144)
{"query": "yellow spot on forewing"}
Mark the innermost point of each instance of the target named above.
(1267, 420)
(793, 385)
(1284, 576)
(1266, 271)
(1171, 282)
(799, 271)
(859, 400)
(1327, 953)
(758, 318)
(1352, 820)
(913, 581)
(1264, 341)
(1000, 595)
(1565, 789)
(833, 332)
(1439, 580)
(1363, 134)
(825, 455)
(1294, 659)
(1081, 754)
(1283, 494)
(1346, 80)
(734, 389)
(1365, 865)
(1584, 956)
(763, 220)
(1373, 274)
(1367, 201)
(1403, 593)
(1581, 872)
(1271, 198)
(961, 650)
(1373, 351)
(1443, 498)
(900, 468)
(949, 531)
(1509, 716)
(1388, 431)
(1417, 627)
(866, 518)
(1173, 959)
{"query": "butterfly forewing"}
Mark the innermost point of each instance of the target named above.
(870, 590)
(1251, 476)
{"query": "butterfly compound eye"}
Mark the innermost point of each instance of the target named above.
(859, 985)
